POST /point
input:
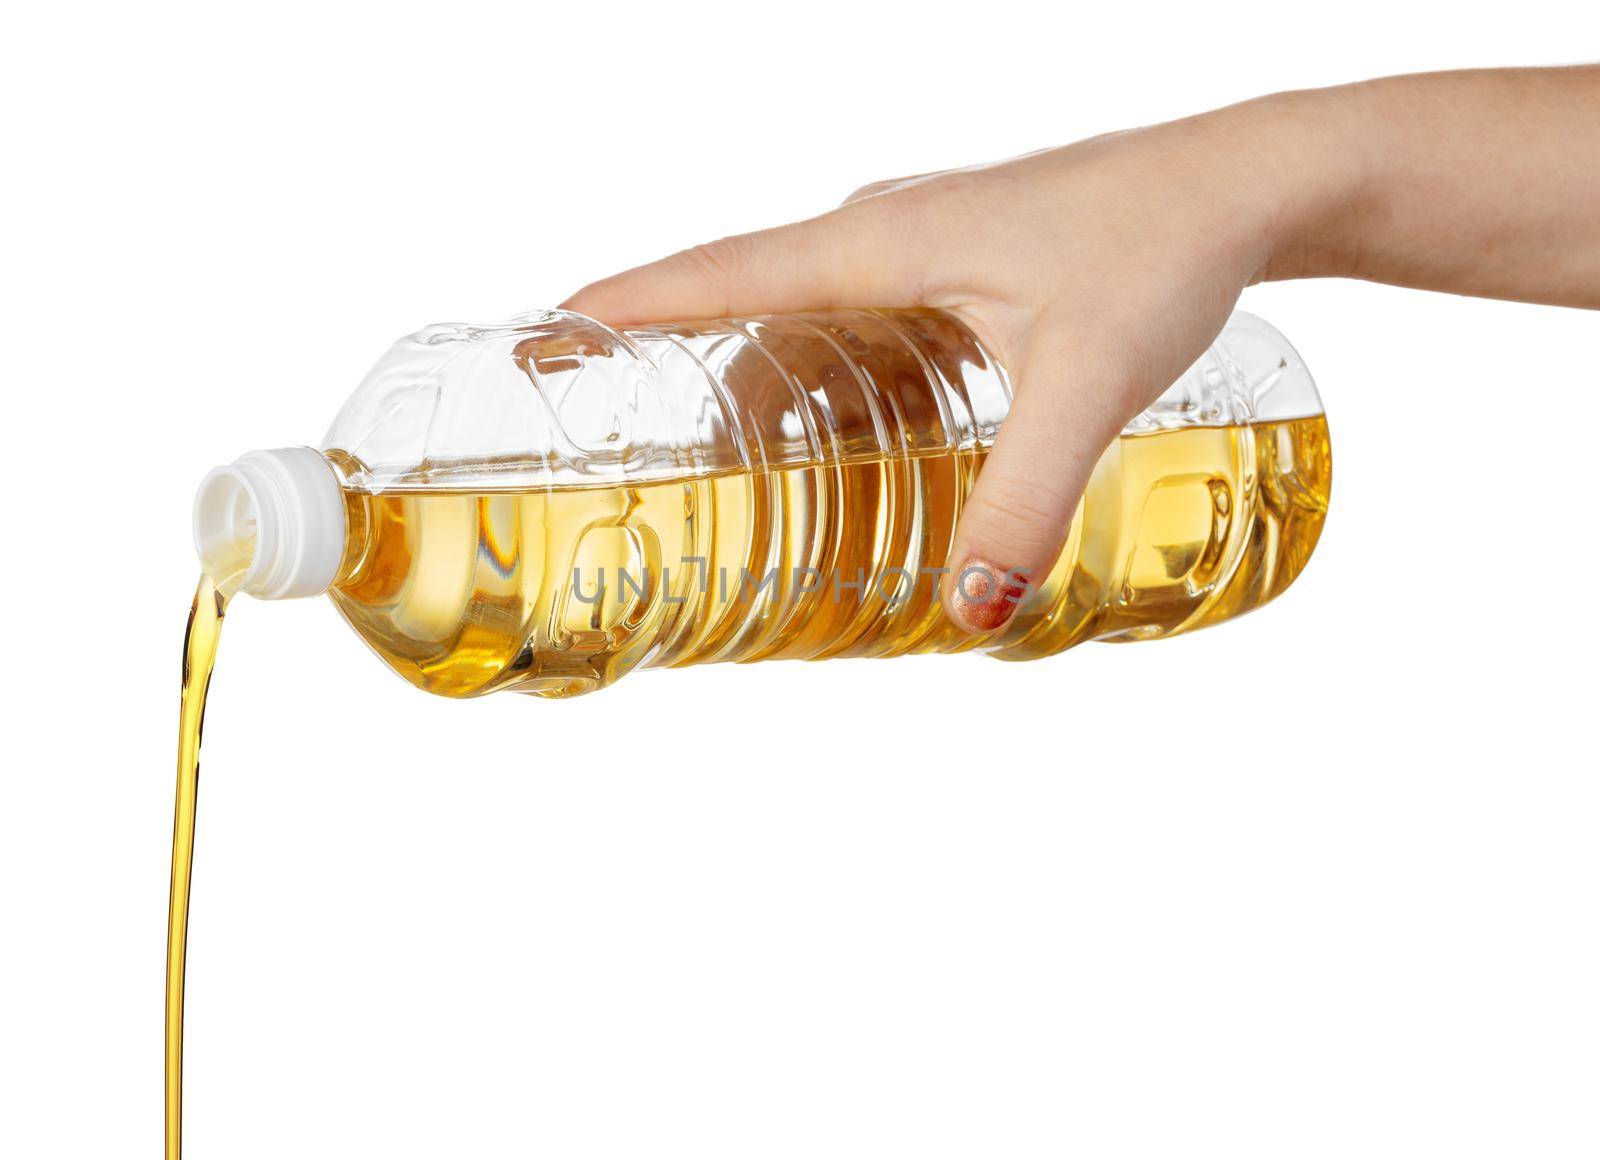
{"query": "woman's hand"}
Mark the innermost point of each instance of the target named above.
(1099, 271)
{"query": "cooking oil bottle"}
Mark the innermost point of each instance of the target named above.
(547, 504)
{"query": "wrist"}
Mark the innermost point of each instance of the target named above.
(1311, 160)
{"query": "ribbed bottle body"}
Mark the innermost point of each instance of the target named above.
(786, 487)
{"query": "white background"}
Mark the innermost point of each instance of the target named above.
(1322, 882)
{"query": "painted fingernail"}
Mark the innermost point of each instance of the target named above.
(984, 595)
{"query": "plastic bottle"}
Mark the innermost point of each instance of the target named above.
(546, 504)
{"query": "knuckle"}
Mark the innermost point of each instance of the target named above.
(892, 201)
(721, 262)
(1022, 521)
(866, 191)
(1033, 503)
(969, 191)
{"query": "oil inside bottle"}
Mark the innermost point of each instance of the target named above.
(559, 592)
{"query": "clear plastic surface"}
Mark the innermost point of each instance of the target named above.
(547, 504)
(552, 399)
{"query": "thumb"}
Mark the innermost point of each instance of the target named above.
(1017, 517)
(852, 256)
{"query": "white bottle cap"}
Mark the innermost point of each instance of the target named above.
(280, 515)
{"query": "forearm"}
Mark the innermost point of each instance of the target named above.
(1484, 183)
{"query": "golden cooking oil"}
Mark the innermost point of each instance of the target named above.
(200, 641)
(561, 592)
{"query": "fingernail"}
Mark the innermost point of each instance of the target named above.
(984, 595)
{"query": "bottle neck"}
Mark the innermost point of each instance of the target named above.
(272, 523)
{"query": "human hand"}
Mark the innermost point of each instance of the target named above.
(1099, 271)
